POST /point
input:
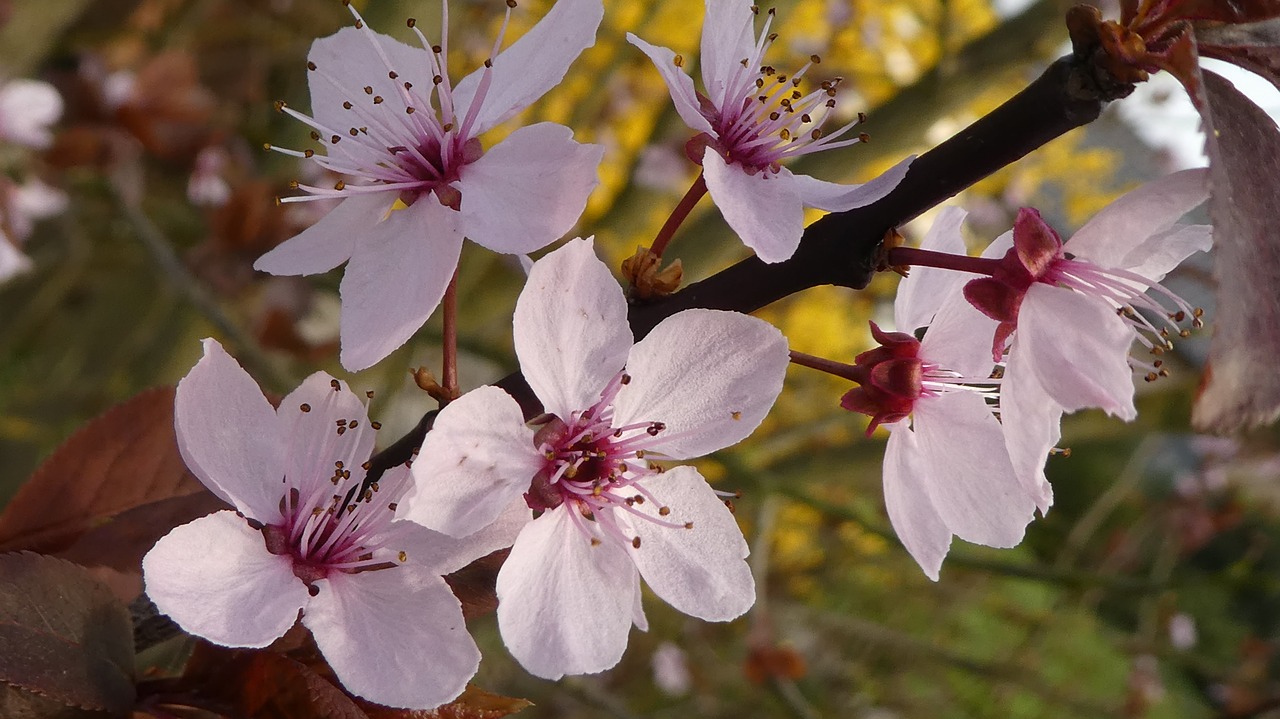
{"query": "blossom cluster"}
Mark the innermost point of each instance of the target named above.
(27, 110)
(587, 491)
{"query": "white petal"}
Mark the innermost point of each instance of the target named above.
(215, 578)
(12, 261)
(229, 436)
(528, 190)
(921, 294)
(27, 109)
(709, 376)
(702, 571)
(35, 200)
(999, 246)
(565, 606)
(959, 339)
(444, 554)
(1078, 349)
(534, 64)
(1165, 250)
(679, 84)
(394, 636)
(1113, 233)
(909, 505)
(397, 275)
(728, 38)
(835, 197)
(312, 435)
(763, 209)
(477, 459)
(570, 328)
(967, 472)
(329, 242)
(347, 62)
(1031, 426)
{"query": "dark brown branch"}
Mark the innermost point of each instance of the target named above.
(841, 248)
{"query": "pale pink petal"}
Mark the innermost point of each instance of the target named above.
(701, 571)
(638, 618)
(763, 209)
(921, 293)
(1079, 350)
(394, 636)
(679, 84)
(1163, 251)
(34, 200)
(329, 242)
(565, 605)
(909, 505)
(347, 62)
(1111, 235)
(215, 578)
(570, 328)
(309, 418)
(709, 376)
(967, 472)
(835, 197)
(728, 38)
(959, 339)
(445, 554)
(532, 65)
(1031, 421)
(397, 275)
(229, 436)
(528, 190)
(477, 459)
(27, 109)
(12, 261)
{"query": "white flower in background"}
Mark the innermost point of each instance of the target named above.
(750, 119)
(28, 108)
(702, 380)
(419, 181)
(207, 188)
(303, 538)
(20, 207)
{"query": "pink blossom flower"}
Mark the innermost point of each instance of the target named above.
(20, 207)
(700, 381)
(1069, 313)
(303, 538)
(27, 109)
(751, 119)
(393, 122)
(948, 473)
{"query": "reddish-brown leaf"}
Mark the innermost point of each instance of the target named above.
(1253, 46)
(475, 703)
(475, 584)
(1241, 387)
(126, 458)
(264, 684)
(63, 635)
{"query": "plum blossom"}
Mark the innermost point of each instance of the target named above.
(303, 537)
(702, 380)
(948, 472)
(749, 119)
(27, 109)
(20, 207)
(1069, 313)
(418, 179)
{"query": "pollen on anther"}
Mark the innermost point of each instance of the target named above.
(335, 384)
(305, 407)
(511, 4)
(375, 425)
(736, 414)
(688, 525)
(313, 590)
(678, 60)
(368, 89)
(403, 556)
(334, 140)
(635, 542)
(411, 22)
(308, 153)
(311, 66)
(624, 379)
(339, 185)
(664, 511)
(595, 542)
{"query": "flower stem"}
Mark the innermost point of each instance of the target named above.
(943, 260)
(678, 215)
(449, 373)
(822, 364)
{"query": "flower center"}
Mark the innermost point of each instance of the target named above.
(413, 140)
(326, 526)
(764, 118)
(596, 467)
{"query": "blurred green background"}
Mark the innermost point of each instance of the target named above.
(1150, 590)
